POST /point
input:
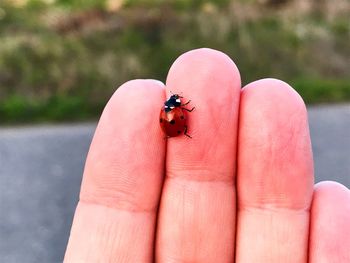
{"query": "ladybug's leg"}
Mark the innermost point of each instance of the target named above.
(185, 132)
(186, 103)
(188, 109)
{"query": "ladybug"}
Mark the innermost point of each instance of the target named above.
(172, 118)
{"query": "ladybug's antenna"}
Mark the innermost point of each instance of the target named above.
(178, 94)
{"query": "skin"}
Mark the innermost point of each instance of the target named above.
(241, 190)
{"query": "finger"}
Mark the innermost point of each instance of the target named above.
(197, 214)
(116, 215)
(275, 174)
(330, 224)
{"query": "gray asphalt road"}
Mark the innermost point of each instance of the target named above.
(41, 168)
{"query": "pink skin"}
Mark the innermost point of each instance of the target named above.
(146, 199)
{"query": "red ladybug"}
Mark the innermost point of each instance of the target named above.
(172, 118)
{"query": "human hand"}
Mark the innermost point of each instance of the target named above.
(240, 190)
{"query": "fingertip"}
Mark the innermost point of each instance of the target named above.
(270, 91)
(137, 88)
(274, 135)
(330, 193)
(330, 228)
(202, 61)
(204, 53)
(143, 95)
(329, 184)
(330, 197)
(128, 142)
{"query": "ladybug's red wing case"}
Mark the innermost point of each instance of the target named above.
(173, 122)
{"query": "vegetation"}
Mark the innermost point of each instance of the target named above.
(61, 60)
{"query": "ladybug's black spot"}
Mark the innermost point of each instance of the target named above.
(178, 132)
(172, 122)
(182, 117)
(160, 120)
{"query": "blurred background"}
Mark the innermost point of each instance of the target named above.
(61, 60)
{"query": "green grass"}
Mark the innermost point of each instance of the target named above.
(56, 109)
(315, 91)
(62, 108)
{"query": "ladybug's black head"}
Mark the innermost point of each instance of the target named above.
(175, 100)
(172, 102)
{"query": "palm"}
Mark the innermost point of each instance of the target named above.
(240, 190)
